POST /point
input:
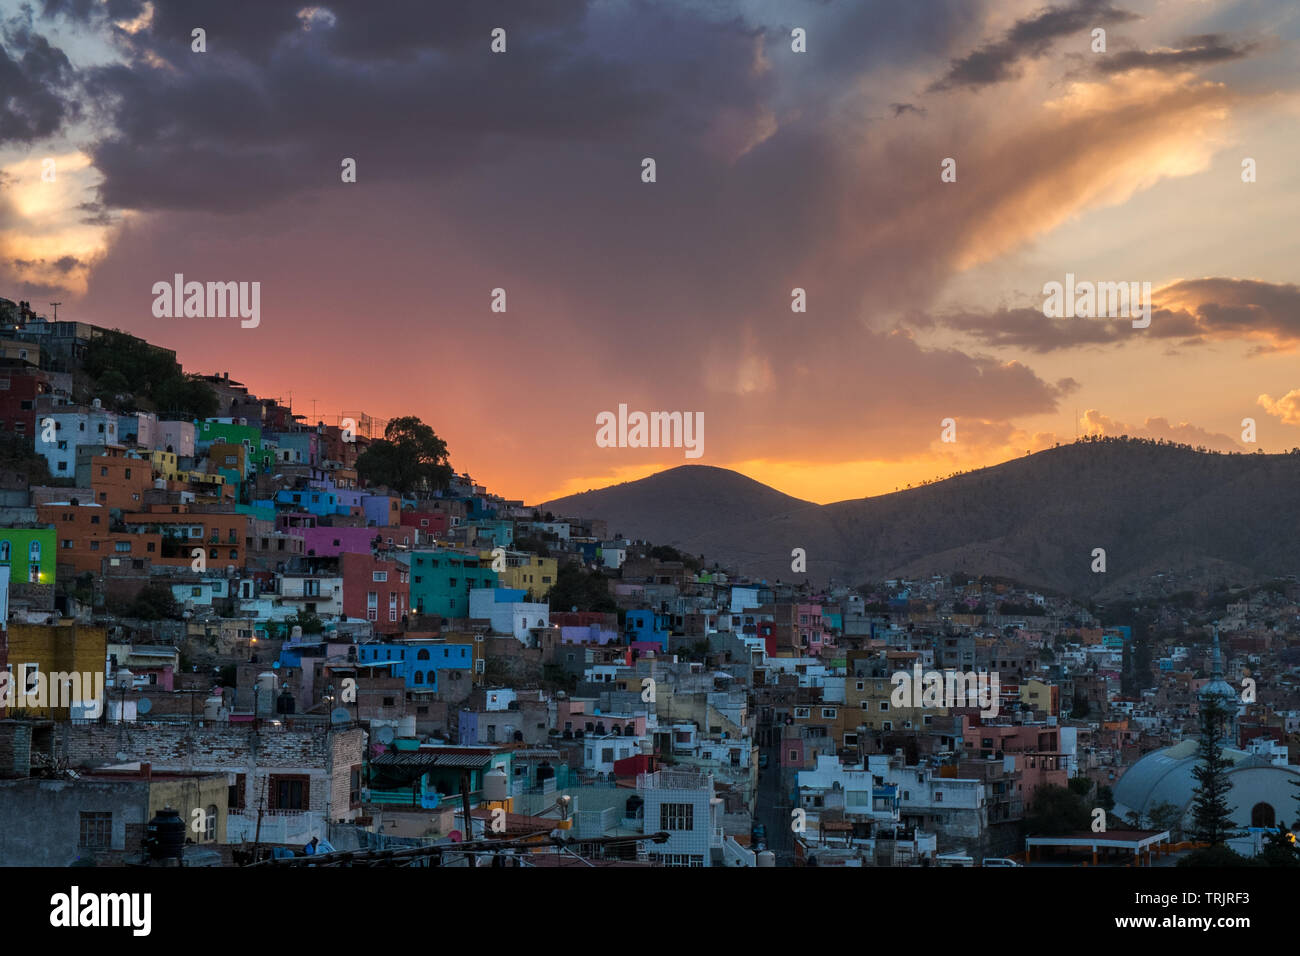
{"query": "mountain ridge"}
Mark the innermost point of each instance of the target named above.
(1154, 508)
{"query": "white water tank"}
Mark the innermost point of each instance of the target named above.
(496, 786)
(406, 726)
(766, 858)
(212, 708)
(266, 681)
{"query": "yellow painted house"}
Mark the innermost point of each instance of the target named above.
(52, 668)
(525, 572)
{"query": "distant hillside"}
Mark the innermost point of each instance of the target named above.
(1153, 508)
(680, 503)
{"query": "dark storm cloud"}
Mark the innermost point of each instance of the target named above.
(36, 94)
(1193, 51)
(1197, 311)
(1027, 39)
(900, 108)
(273, 108)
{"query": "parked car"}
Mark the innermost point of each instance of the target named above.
(999, 861)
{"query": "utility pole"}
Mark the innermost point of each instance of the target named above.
(56, 309)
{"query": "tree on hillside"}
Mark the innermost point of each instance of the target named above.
(409, 458)
(577, 587)
(120, 365)
(186, 397)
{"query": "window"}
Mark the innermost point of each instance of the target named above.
(828, 713)
(794, 756)
(676, 816)
(289, 792)
(210, 822)
(606, 754)
(122, 546)
(884, 706)
(96, 830)
(34, 552)
(801, 712)
(4, 550)
(379, 576)
(354, 792)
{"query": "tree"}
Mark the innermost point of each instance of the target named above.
(186, 396)
(1211, 815)
(309, 623)
(409, 458)
(153, 603)
(577, 587)
(1165, 816)
(1057, 811)
(1280, 850)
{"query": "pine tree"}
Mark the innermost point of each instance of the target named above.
(1211, 815)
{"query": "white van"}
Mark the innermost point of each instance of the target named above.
(953, 859)
(999, 861)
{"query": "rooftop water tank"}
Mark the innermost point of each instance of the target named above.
(165, 836)
(496, 786)
(766, 858)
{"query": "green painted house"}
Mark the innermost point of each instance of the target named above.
(29, 554)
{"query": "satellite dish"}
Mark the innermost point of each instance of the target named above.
(385, 735)
(340, 715)
(143, 705)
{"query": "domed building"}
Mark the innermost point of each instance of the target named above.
(1261, 792)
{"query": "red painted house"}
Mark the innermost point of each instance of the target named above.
(376, 588)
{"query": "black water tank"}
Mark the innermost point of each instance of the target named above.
(284, 703)
(545, 772)
(165, 835)
(634, 805)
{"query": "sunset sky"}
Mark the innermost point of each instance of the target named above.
(775, 169)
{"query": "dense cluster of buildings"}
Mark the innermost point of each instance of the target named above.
(216, 616)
